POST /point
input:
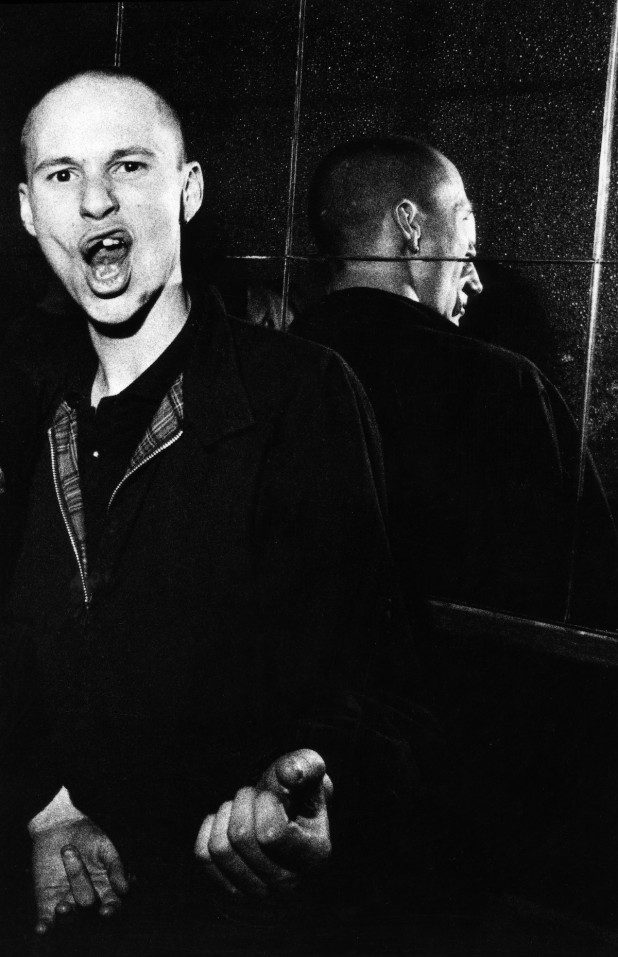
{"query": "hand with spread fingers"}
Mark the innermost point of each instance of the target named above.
(75, 865)
(272, 833)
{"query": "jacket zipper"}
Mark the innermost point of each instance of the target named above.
(67, 524)
(149, 458)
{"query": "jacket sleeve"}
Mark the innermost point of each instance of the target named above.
(345, 678)
(28, 778)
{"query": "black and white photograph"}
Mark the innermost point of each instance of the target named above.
(309, 479)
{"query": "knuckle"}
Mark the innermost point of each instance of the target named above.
(240, 834)
(270, 837)
(202, 853)
(220, 849)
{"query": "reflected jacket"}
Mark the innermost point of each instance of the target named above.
(481, 459)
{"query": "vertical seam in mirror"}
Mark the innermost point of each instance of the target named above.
(605, 162)
(289, 232)
(119, 26)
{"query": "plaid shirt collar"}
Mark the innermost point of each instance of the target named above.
(211, 395)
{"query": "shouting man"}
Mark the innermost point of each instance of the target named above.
(204, 580)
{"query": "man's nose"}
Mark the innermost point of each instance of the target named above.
(98, 198)
(474, 285)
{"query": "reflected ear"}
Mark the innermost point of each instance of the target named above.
(192, 191)
(407, 218)
(25, 209)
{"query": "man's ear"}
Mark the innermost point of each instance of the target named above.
(25, 209)
(192, 191)
(408, 218)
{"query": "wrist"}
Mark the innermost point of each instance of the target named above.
(60, 810)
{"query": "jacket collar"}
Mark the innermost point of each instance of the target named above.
(214, 398)
(215, 401)
(371, 300)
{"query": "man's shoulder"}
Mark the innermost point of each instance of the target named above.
(503, 360)
(281, 360)
(382, 324)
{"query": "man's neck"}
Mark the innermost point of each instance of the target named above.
(374, 275)
(123, 359)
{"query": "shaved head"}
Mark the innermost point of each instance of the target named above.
(165, 112)
(357, 183)
(107, 192)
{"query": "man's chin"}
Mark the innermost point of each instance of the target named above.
(111, 311)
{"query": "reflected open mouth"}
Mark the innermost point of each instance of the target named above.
(460, 306)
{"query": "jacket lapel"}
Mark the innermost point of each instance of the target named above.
(216, 402)
(165, 428)
(218, 406)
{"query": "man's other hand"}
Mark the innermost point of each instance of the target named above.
(75, 865)
(269, 835)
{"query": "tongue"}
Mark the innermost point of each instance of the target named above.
(108, 255)
(107, 264)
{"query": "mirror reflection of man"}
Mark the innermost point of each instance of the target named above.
(202, 522)
(481, 453)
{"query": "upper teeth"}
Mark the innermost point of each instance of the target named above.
(111, 242)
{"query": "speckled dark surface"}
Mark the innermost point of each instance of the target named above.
(512, 92)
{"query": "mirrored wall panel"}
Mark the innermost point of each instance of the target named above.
(514, 93)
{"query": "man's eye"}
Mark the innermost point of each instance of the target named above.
(130, 166)
(61, 176)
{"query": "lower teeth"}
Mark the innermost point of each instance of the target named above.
(106, 272)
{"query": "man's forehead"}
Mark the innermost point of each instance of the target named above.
(450, 192)
(97, 113)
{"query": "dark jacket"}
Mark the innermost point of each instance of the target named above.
(481, 458)
(242, 604)
(34, 351)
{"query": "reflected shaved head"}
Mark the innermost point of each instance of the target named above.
(166, 113)
(357, 183)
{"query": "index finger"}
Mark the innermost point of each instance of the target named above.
(80, 883)
(296, 843)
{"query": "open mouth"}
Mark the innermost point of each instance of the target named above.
(107, 258)
(460, 307)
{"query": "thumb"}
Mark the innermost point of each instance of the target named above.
(110, 859)
(300, 778)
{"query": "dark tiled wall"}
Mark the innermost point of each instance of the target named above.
(512, 90)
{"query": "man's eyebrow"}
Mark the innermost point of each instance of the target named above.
(464, 204)
(133, 151)
(57, 161)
